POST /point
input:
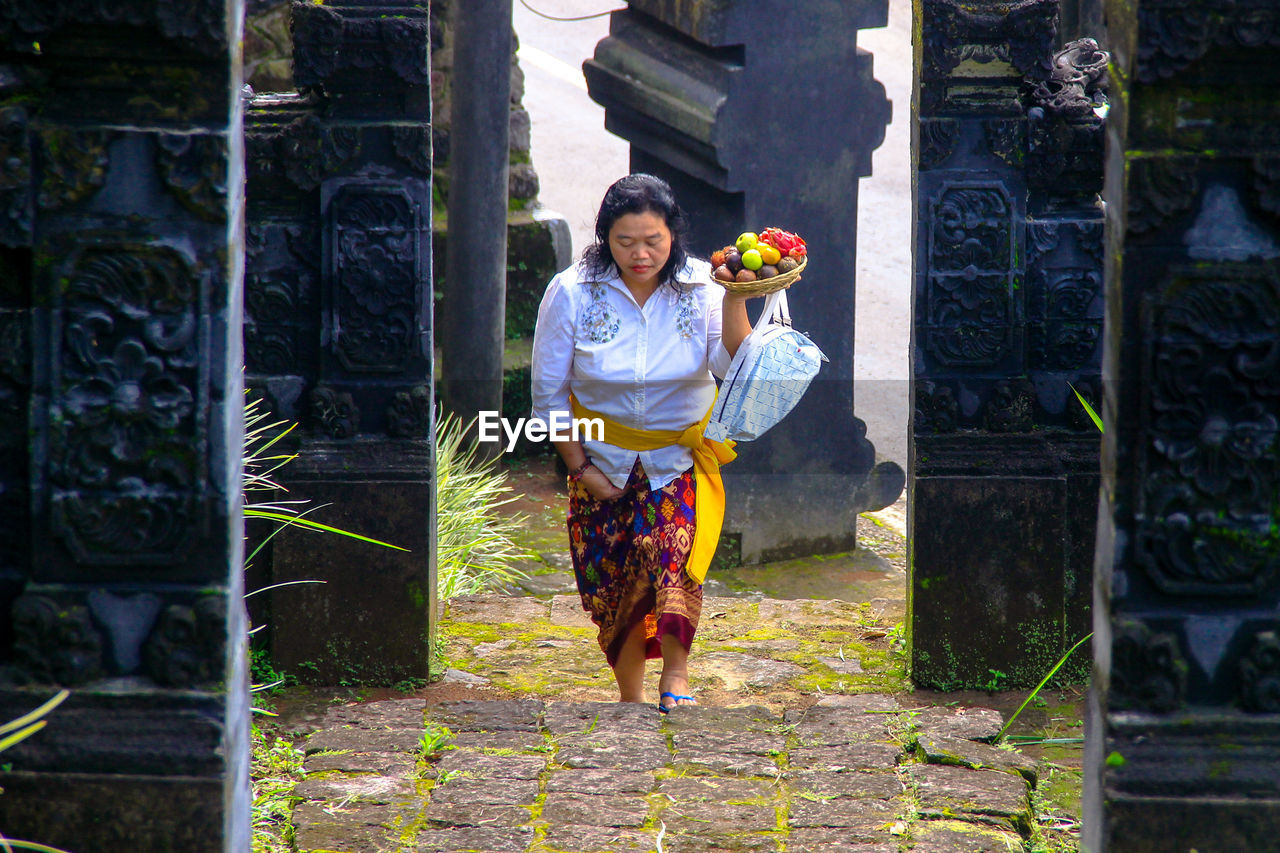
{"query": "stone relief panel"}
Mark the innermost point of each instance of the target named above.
(127, 445)
(376, 272)
(1206, 525)
(971, 247)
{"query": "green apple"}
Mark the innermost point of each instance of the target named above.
(752, 260)
(747, 240)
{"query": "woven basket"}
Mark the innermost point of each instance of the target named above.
(763, 286)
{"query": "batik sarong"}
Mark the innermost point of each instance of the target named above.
(629, 557)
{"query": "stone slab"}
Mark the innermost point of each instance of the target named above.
(953, 836)
(496, 610)
(737, 670)
(809, 613)
(465, 839)
(492, 791)
(977, 796)
(403, 714)
(687, 789)
(600, 782)
(597, 839)
(862, 820)
(828, 726)
(478, 765)
(635, 752)
(719, 818)
(360, 829)
(578, 717)
(509, 715)
(477, 814)
(739, 718)
(827, 840)
(868, 703)
(519, 741)
(883, 785)
(851, 756)
(567, 612)
(363, 788)
(363, 740)
(970, 723)
(607, 810)
(386, 763)
(976, 756)
(765, 842)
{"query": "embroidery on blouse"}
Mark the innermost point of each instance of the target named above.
(600, 321)
(684, 315)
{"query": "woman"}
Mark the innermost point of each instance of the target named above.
(631, 334)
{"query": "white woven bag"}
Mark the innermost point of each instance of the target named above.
(769, 374)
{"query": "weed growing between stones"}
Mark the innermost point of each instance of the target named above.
(275, 770)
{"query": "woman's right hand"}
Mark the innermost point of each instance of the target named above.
(599, 486)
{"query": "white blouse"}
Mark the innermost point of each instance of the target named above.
(648, 367)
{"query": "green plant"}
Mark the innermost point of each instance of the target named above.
(276, 769)
(1097, 421)
(19, 730)
(1034, 693)
(475, 544)
(434, 739)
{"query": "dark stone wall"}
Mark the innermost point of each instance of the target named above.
(120, 424)
(338, 329)
(1007, 321)
(1184, 740)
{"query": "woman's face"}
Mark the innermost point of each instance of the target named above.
(640, 244)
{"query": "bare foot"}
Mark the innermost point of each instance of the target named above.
(674, 690)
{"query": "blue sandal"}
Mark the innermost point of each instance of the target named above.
(662, 709)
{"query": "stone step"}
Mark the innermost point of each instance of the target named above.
(533, 775)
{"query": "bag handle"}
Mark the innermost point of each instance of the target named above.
(775, 310)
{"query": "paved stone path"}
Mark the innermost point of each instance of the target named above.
(857, 773)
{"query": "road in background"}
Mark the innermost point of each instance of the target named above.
(576, 160)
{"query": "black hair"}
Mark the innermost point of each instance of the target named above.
(638, 193)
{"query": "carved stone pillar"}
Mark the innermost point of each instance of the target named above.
(758, 124)
(1007, 318)
(1184, 740)
(337, 337)
(120, 404)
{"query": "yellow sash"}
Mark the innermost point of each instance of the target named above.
(708, 456)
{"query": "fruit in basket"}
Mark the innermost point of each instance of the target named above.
(746, 240)
(733, 260)
(752, 260)
(766, 271)
(770, 254)
(745, 276)
(723, 273)
(787, 264)
(717, 258)
(783, 241)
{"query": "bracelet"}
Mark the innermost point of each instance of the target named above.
(576, 473)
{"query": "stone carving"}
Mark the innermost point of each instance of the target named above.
(127, 453)
(54, 643)
(936, 408)
(374, 276)
(15, 178)
(970, 262)
(1266, 184)
(194, 167)
(199, 25)
(187, 646)
(1020, 32)
(412, 144)
(1215, 420)
(1176, 33)
(937, 141)
(409, 415)
(73, 165)
(1159, 189)
(1148, 670)
(1007, 140)
(329, 38)
(128, 621)
(1011, 407)
(1077, 81)
(335, 412)
(1260, 675)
